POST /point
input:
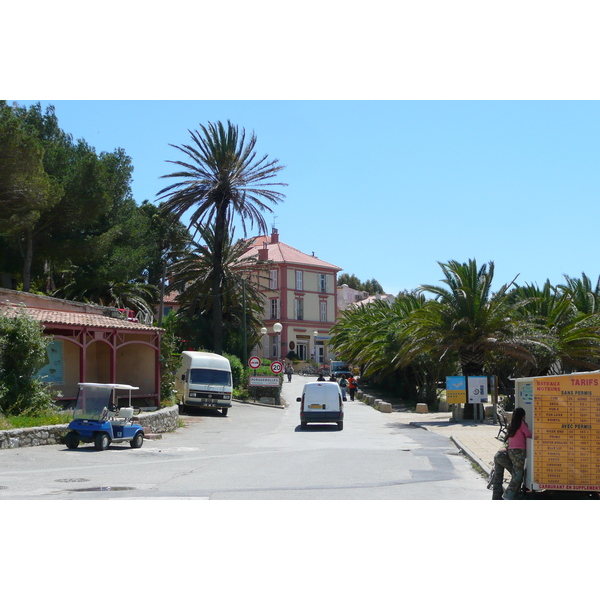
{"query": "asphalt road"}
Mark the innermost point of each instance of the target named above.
(255, 453)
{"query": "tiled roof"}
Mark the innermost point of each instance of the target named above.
(283, 253)
(56, 317)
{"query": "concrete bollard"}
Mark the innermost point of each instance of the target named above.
(422, 407)
(385, 407)
(443, 406)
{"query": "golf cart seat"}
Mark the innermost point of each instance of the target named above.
(126, 412)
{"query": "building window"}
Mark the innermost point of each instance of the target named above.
(274, 345)
(299, 283)
(273, 279)
(322, 283)
(323, 307)
(274, 308)
(299, 309)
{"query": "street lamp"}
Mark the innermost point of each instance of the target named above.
(277, 327)
(263, 330)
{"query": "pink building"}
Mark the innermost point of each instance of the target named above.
(301, 296)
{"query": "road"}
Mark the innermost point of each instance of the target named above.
(255, 453)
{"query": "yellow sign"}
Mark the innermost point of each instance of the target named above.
(566, 432)
(456, 390)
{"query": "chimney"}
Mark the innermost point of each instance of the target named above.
(263, 253)
(274, 236)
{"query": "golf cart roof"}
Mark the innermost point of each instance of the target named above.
(114, 386)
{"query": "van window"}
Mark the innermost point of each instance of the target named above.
(210, 377)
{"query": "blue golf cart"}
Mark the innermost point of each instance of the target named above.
(98, 419)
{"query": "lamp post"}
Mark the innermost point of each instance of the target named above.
(277, 327)
(315, 334)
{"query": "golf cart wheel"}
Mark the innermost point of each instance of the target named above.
(340, 425)
(72, 440)
(224, 411)
(138, 440)
(102, 441)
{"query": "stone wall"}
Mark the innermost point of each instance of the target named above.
(160, 421)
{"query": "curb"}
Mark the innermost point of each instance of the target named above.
(258, 403)
(465, 450)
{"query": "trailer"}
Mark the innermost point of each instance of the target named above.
(563, 413)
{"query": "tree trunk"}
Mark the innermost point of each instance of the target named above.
(472, 365)
(27, 260)
(220, 225)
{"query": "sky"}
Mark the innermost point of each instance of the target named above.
(411, 135)
(387, 189)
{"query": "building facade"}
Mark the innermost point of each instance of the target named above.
(92, 344)
(301, 300)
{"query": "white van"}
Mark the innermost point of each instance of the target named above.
(321, 402)
(204, 380)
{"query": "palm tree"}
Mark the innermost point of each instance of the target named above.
(585, 297)
(192, 275)
(221, 179)
(564, 326)
(465, 318)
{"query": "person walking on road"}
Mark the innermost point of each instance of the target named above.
(343, 385)
(517, 435)
(289, 371)
(352, 386)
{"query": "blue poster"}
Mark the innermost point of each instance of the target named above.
(53, 370)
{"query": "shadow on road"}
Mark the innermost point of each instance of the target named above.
(317, 427)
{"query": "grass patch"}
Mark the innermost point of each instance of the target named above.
(23, 421)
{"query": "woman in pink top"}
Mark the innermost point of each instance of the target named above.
(517, 434)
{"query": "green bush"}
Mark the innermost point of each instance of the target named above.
(237, 369)
(22, 354)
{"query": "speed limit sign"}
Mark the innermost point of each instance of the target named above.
(254, 362)
(276, 367)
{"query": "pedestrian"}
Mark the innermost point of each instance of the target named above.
(343, 385)
(517, 435)
(289, 371)
(320, 377)
(352, 386)
(332, 378)
(501, 461)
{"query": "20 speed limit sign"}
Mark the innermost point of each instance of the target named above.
(254, 362)
(276, 367)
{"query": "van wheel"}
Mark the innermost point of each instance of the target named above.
(340, 425)
(224, 411)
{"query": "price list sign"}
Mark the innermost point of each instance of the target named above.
(566, 432)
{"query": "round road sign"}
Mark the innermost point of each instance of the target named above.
(276, 367)
(254, 362)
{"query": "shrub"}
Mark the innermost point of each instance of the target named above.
(22, 354)
(237, 369)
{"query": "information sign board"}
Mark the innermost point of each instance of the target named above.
(263, 381)
(566, 432)
(478, 391)
(456, 390)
